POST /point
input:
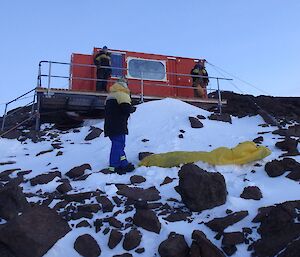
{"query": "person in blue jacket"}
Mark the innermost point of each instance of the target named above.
(117, 111)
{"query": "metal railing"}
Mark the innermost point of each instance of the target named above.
(18, 109)
(142, 81)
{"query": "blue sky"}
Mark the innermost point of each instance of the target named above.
(256, 40)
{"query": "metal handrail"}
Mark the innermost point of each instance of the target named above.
(126, 69)
(131, 83)
(142, 79)
(6, 114)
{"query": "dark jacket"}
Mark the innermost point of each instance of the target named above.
(117, 111)
(103, 59)
(200, 71)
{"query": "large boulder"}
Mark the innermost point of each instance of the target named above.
(34, 232)
(87, 246)
(174, 246)
(12, 201)
(199, 189)
(279, 227)
(147, 219)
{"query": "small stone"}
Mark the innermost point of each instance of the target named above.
(143, 155)
(78, 171)
(89, 208)
(64, 187)
(167, 180)
(251, 192)
(195, 123)
(95, 132)
(83, 223)
(136, 179)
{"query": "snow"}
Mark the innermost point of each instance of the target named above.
(160, 122)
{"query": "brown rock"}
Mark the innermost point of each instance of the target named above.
(219, 224)
(147, 219)
(115, 238)
(167, 180)
(106, 204)
(43, 152)
(220, 117)
(132, 239)
(143, 155)
(87, 246)
(136, 179)
(12, 201)
(136, 193)
(199, 189)
(195, 123)
(251, 192)
(34, 232)
(174, 246)
(94, 133)
(64, 187)
(233, 238)
(89, 208)
(206, 247)
(78, 171)
(44, 178)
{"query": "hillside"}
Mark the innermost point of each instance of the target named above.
(64, 170)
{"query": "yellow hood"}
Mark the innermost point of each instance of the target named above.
(118, 87)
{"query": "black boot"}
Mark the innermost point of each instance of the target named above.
(128, 168)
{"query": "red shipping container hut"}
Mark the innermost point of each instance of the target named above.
(160, 75)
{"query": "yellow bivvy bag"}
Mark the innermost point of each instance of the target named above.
(243, 153)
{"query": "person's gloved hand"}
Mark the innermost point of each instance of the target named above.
(133, 109)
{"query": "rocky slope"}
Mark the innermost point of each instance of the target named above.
(56, 199)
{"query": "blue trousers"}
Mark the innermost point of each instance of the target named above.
(117, 154)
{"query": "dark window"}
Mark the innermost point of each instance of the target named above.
(154, 70)
(117, 62)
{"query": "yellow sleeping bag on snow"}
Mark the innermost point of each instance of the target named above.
(241, 154)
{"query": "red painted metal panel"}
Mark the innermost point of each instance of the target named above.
(83, 72)
(178, 65)
(184, 66)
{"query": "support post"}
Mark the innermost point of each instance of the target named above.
(142, 88)
(49, 78)
(219, 98)
(39, 82)
(37, 114)
(4, 117)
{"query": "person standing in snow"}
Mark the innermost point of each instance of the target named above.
(103, 62)
(200, 83)
(117, 111)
